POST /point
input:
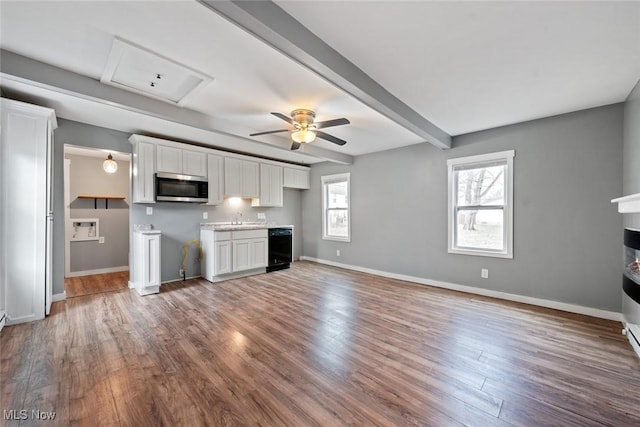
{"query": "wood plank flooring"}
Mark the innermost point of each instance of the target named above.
(96, 283)
(317, 346)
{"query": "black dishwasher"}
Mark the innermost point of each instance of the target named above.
(280, 248)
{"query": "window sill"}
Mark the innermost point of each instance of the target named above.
(481, 253)
(337, 239)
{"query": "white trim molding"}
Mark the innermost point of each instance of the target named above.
(628, 204)
(472, 162)
(571, 308)
(59, 297)
(334, 179)
(98, 271)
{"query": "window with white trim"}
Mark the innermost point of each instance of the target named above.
(481, 205)
(336, 218)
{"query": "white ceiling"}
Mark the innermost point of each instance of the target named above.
(464, 66)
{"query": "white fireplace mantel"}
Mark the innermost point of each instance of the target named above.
(628, 204)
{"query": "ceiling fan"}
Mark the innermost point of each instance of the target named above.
(305, 130)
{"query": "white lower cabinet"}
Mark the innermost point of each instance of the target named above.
(146, 261)
(229, 254)
(222, 253)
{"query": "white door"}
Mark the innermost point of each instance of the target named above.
(49, 226)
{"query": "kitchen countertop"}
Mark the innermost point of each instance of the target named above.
(225, 226)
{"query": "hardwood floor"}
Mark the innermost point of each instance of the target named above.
(96, 283)
(317, 346)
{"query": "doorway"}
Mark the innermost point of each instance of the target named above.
(96, 200)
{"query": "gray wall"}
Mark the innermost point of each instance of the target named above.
(180, 222)
(86, 177)
(567, 234)
(631, 150)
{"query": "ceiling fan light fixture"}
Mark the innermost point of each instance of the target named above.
(110, 165)
(303, 136)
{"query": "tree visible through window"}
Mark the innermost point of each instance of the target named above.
(480, 210)
(335, 207)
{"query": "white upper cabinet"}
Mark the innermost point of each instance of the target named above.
(194, 163)
(177, 160)
(240, 178)
(270, 186)
(143, 166)
(228, 174)
(215, 172)
(296, 178)
(168, 159)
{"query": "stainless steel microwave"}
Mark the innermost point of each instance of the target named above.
(171, 187)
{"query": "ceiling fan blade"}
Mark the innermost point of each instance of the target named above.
(295, 145)
(329, 123)
(331, 138)
(269, 131)
(283, 117)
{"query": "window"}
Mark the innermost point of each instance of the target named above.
(480, 205)
(336, 224)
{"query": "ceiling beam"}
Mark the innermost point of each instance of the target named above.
(270, 23)
(17, 68)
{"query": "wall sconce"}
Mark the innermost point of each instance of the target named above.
(110, 165)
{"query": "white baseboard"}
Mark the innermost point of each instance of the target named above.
(98, 271)
(132, 285)
(59, 297)
(571, 308)
(179, 280)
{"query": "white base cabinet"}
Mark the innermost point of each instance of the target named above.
(146, 261)
(231, 254)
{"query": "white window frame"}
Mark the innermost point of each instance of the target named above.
(478, 160)
(332, 179)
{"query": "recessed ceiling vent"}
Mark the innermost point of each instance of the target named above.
(134, 68)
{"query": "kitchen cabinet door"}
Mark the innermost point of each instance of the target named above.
(240, 178)
(144, 163)
(259, 253)
(242, 255)
(168, 159)
(296, 178)
(215, 173)
(194, 163)
(232, 177)
(270, 186)
(222, 257)
(250, 179)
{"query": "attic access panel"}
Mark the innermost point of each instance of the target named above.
(139, 70)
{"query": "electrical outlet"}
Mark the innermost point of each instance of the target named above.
(484, 273)
(149, 210)
(205, 215)
(337, 252)
(101, 239)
